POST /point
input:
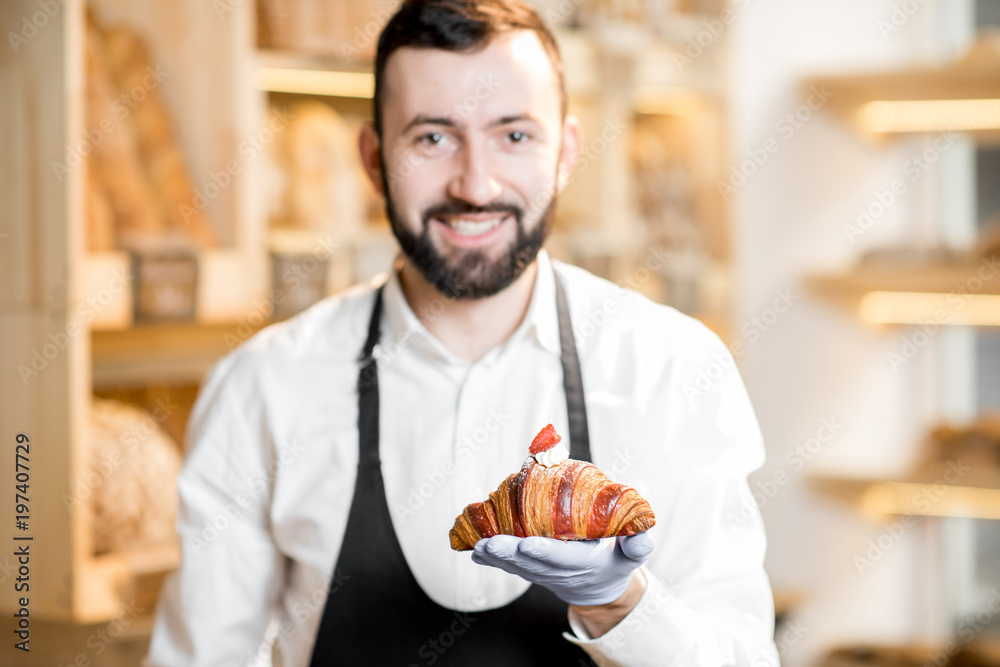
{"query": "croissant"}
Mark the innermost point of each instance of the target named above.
(554, 496)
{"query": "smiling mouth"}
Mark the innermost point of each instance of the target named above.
(471, 226)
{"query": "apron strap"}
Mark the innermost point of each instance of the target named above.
(368, 404)
(576, 406)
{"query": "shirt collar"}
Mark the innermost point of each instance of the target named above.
(401, 326)
(542, 320)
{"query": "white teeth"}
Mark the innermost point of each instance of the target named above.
(471, 227)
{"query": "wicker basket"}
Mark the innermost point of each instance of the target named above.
(344, 29)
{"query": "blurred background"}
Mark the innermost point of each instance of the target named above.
(818, 182)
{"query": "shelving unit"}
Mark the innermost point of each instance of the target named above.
(219, 298)
(53, 278)
(961, 96)
(176, 354)
(953, 294)
(975, 495)
(947, 287)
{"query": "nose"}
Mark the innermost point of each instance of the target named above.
(474, 183)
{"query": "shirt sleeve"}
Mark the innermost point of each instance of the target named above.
(214, 610)
(708, 601)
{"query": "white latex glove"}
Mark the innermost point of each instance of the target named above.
(580, 572)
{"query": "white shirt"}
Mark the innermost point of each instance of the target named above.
(269, 473)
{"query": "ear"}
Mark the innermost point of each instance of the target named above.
(572, 144)
(368, 145)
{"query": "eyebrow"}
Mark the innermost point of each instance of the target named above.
(423, 119)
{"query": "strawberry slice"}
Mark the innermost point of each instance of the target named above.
(546, 439)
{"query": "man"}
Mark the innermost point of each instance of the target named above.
(329, 456)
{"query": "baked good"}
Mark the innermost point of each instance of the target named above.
(182, 212)
(554, 496)
(324, 178)
(114, 163)
(130, 481)
(138, 187)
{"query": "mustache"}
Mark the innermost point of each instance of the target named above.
(455, 207)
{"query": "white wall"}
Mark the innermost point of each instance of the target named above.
(815, 362)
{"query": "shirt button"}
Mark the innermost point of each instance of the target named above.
(478, 600)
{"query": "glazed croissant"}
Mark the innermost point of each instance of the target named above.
(570, 500)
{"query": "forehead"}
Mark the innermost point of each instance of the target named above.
(512, 74)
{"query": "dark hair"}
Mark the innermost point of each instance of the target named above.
(460, 26)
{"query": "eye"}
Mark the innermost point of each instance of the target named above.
(518, 137)
(431, 139)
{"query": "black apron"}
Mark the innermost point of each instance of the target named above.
(377, 614)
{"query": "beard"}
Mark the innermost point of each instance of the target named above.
(469, 274)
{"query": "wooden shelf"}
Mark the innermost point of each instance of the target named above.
(294, 60)
(168, 354)
(967, 294)
(976, 493)
(105, 578)
(976, 76)
(107, 278)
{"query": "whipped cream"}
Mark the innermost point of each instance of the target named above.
(552, 456)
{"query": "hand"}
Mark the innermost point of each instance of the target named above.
(579, 572)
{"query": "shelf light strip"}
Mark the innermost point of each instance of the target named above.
(316, 82)
(930, 308)
(663, 101)
(888, 498)
(885, 116)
